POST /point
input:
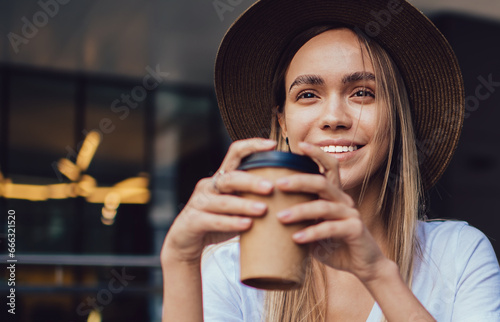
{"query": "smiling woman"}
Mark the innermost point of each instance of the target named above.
(359, 101)
(335, 102)
(331, 104)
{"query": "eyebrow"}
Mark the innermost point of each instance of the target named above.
(318, 80)
(358, 76)
(307, 80)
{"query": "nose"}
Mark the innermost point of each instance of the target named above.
(335, 115)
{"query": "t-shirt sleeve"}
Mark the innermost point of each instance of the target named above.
(221, 299)
(477, 296)
(225, 298)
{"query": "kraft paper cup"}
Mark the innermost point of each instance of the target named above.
(269, 258)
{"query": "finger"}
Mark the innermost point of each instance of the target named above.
(234, 205)
(240, 149)
(317, 209)
(316, 184)
(346, 230)
(203, 222)
(324, 161)
(241, 181)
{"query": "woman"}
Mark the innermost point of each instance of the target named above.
(372, 92)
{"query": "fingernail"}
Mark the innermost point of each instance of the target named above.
(284, 214)
(269, 142)
(259, 206)
(299, 236)
(265, 185)
(245, 221)
(282, 182)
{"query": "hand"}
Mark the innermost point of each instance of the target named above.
(213, 214)
(339, 238)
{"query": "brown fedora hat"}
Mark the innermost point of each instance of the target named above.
(251, 48)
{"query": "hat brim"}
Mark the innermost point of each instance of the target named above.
(250, 50)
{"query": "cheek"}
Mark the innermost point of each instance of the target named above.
(376, 128)
(298, 124)
(374, 124)
(381, 137)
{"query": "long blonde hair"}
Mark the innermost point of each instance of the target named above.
(400, 195)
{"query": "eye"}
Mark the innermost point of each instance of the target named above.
(306, 95)
(364, 93)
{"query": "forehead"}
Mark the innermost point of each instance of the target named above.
(333, 52)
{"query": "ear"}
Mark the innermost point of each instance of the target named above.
(281, 121)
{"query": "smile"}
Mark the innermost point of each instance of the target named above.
(339, 148)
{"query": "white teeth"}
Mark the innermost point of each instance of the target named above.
(339, 148)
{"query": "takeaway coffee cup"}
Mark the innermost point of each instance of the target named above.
(269, 258)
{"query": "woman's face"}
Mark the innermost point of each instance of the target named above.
(330, 102)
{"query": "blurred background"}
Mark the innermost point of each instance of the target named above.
(108, 119)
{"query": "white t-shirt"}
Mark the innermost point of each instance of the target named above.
(457, 280)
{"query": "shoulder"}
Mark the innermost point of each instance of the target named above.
(456, 274)
(227, 251)
(435, 227)
(449, 233)
(220, 263)
(224, 297)
(452, 242)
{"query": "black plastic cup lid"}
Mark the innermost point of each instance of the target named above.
(278, 159)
